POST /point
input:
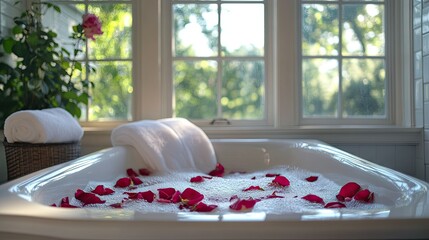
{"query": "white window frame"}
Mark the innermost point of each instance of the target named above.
(152, 96)
(167, 59)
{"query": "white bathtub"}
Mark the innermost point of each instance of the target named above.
(25, 212)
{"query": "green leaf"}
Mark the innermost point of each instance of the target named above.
(8, 44)
(17, 29)
(69, 95)
(78, 66)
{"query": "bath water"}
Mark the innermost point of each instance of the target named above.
(219, 190)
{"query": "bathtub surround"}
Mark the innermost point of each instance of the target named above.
(405, 198)
(420, 56)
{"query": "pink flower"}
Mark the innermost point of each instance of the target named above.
(91, 25)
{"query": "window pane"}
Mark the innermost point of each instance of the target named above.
(116, 22)
(320, 32)
(242, 29)
(111, 96)
(243, 90)
(195, 30)
(320, 87)
(363, 29)
(62, 23)
(195, 89)
(363, 87)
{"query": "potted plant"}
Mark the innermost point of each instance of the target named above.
(36, 72)
(43, 74)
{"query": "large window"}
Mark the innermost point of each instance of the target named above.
(343, 66)
(110, 55)
(246, 63)
(219, 60)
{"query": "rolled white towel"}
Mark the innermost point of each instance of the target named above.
(53, 125)
(168, 145)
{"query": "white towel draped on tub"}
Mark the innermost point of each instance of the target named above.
(168, 145)
(53, 125)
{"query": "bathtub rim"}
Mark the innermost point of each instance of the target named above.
(324, 214)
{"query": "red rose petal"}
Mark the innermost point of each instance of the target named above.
(274, 195)
(197, 179)
(348, 191)
(313, 198)
(116, 205)
(123, 182)
(101, 190)
(280, 181)
(364, 196)
(191, 197)
(149, 196)
(166, 193)
(144, 172)
(251, 188)
(218, 171)
(87, 198)
(312, 178)
(131, 173)
(335, 205)
(66, 204)
(272, 174)
(176, 197)
(243, 204)
(202, 207)
(136, 180)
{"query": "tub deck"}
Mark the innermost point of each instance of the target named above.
(25, 212)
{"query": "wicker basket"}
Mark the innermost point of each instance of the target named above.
(25, 158)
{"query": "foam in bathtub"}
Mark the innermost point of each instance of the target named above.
(168, 145)
(218, 191)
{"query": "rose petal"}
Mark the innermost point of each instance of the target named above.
(202, 207)
(101, 190)
(136, 180)
(335, 205)
(191, 197)
(251, 188)
(66, 204)
(123, 182)
(272, 174)
(313, 198)
(218, 171)
(364, 196)
(149, 196)
(197, 179)
(280, 181)
(87, 198)
(166, 193)
(243, 204)
(312, 178)
(144, 172)
(131, 173)
(274, 195)
(348, 191)
(116, 205)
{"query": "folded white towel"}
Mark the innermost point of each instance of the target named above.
(53, 125)
(168, 145)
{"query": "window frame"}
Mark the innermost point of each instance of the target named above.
(388, 118)
(152, 96)
(167, 60)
